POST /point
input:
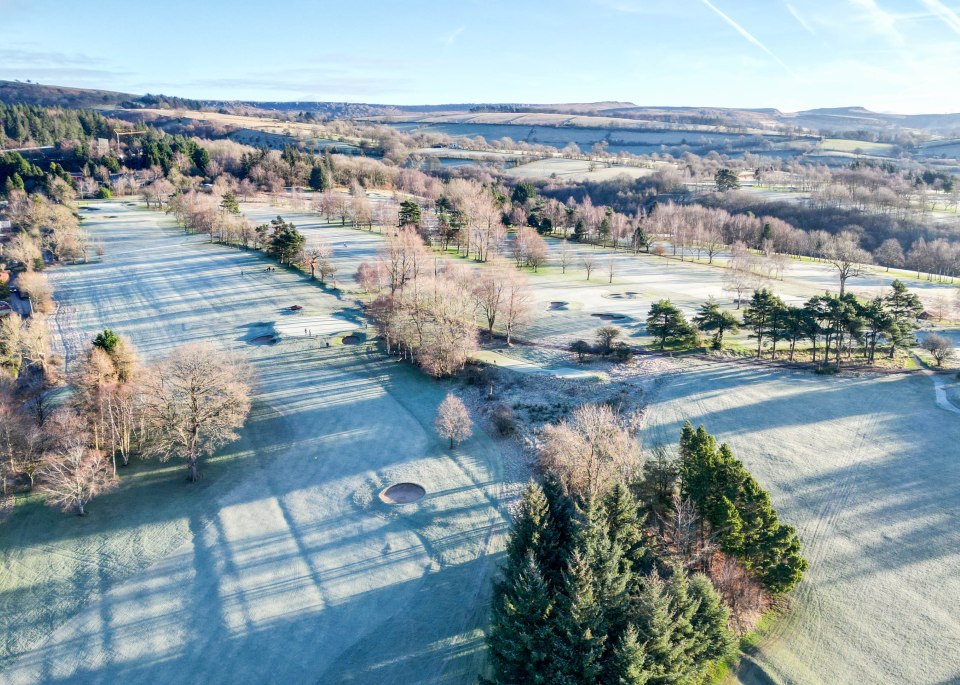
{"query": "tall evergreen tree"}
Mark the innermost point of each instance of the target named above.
(710, 318)
(759, 316)
(318, 178)
(553, 559)
(229, 203)
(522, 637)
(605, 556)
(666, 650)
(581, 635)
(905, 308)
(626, 530)
(710, 619)
(666, 323)
(628, 663)
(531, 532)
(409, 213)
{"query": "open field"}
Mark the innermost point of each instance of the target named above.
(553, 119)
(575, 170)
(857, 147)
(282, 565)
(866, 468)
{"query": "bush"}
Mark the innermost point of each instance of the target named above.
(939, 347)
(474, 374)
(504, 420)
(104, 193)
(581, 348)
(621, 352)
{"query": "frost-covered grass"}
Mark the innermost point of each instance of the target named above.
(281, 565)
(288, 553)
(864, 465)
(866, 469)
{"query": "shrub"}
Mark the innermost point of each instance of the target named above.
(621, 352)
(581, 348)
(504, 420)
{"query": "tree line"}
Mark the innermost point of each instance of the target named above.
(184, 406)
(430, 313)
(834, 327)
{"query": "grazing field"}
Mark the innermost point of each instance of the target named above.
(283, 565)
(575, 170)
(857, 147)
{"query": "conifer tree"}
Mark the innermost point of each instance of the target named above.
(626, 530)
(522, 636)
(628, 663)
(579, 644)
(531, 527)
(605, 558)
(666, 654)
(713, 639)
(684, 608)
(553, 558)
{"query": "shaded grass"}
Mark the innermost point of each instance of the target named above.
(52, 563)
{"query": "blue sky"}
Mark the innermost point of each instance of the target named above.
(901, 56)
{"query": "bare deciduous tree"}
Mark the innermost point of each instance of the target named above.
(591, 451)
(372, 277)
(11, 343)
(71, 478)
(564, 256)
(195, 400)
(939, 347)
(589, 262)
(36, 286)
(453, 421)
(517, 303)
(34, 341)
(844, 252)
(317, 258)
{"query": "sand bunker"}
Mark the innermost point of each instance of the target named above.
(351, 339)
(402, 493)
(609, 317)
(557, 304)
(264, 340)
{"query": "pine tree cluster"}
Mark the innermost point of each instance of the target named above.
(738, 511)
(590, 594)
(583, 600)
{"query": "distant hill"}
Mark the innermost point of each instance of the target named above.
(17, 92)
(829, 119)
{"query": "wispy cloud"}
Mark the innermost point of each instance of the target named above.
(452, 38)
(947, 15)
(881, 21)
(800, 20)
(746, 34)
